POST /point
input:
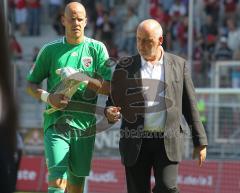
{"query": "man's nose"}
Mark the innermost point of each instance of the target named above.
(76, 22)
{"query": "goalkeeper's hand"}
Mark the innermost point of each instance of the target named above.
(57, 101)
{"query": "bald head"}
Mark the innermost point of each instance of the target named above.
(150, 39)
(150, 26)
(74, 7)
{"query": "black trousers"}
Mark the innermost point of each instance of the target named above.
(152, 156)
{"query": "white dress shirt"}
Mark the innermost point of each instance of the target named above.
(153, 122)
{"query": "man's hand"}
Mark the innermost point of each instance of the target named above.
(201, 153)
(58, 101)
(113, 114)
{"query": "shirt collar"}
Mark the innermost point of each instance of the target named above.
(64, 40)
(160, 62)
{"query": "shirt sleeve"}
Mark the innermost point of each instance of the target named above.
(103, 69)
(40, 68)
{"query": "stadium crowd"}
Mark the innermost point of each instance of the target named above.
(216, 32)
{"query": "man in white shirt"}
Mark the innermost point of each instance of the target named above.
(152, 91)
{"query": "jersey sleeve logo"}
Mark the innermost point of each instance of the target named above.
(87, 62)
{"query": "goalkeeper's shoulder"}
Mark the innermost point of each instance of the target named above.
(96, 44)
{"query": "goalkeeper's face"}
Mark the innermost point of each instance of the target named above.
(74, 21)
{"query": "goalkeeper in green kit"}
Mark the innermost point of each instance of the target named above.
(68, 154)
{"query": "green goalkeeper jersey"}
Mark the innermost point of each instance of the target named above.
(89, 56)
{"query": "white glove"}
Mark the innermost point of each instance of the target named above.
(71, 73)
(66, 72)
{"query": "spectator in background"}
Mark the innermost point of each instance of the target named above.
(106, 29)
(133, 3)
(182, 36)
(54, 7)
(129, 30)
(209, 32)
(57, 23)
(91, 13)
(212, 8)
(185, 3)
(197, 58)
(15, 48)
(54, 13)
(108, 4)
(113, 17)
(174, 30)
(230, 8)
(66, 2)
(233, 39)
(11, 12)
(21, 16)
(166, 4)
(98, 19)
(177, 12)
(178, 9)
(223, 52)
(34, 8)
(202, 63)
(157, 12)
(117, 20)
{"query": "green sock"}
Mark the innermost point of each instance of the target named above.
(55, 190)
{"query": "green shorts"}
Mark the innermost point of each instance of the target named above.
(68, 156)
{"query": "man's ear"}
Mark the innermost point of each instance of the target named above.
(85, 22)
(161, 40)
(63, 20)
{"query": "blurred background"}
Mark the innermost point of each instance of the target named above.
(205, 32)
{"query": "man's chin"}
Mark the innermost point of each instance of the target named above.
(144, 55)
(77, 34)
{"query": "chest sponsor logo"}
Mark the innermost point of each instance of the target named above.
(87, 62)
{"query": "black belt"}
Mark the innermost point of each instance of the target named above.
(152, 135)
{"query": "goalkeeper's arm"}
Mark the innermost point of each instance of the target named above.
(98, 86)
(35, 90)
(55, 100)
